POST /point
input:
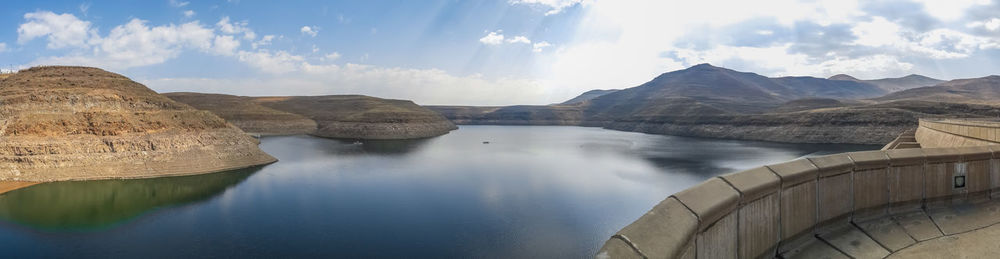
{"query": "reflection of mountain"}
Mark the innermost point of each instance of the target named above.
(96, 204)
(381, 147)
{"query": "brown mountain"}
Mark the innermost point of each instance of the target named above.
(893, 84)
(721, 90)
(708, 101)
(247, 114)
(78, 123)
(984, 90)
(586, 96)
(333, 116)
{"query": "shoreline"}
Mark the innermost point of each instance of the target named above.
(8, 186)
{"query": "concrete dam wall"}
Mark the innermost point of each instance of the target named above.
(958, 133)
(859, 204)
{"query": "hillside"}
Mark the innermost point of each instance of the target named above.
(808, 104)
(247, 114)
(894, 84)
(77, 123)
(721, 90)
(333, 116)
(708, 101)
(984, 90)
(587, 96)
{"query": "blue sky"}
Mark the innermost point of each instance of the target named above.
(492, 52)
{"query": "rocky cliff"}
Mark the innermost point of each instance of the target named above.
(332, 116)
(78, 123)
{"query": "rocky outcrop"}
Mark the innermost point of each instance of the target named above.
(247, 114)
(78, 123)
(332, 116)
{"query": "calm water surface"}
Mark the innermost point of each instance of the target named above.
(552, 192)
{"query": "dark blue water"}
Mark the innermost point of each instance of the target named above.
(532, 192)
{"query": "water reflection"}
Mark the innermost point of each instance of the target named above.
(382, 147)
(91, 205)
(531, 192)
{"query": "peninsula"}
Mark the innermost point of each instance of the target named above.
(330, 116)
(78, 123)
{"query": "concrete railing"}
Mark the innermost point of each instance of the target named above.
(905, 140)
(766, 211)
(958, 132)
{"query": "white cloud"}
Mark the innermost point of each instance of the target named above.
(264, 41)
(554, 6)
(950, 9)
(227, 27)
(538, 46)
(62, 30)
(278, 62)
(423, 86)
(312, 31)
(188, 13)
(493, 38)
(936, 44)
(642, 34)
(3, 47)
(331, 56)
(176, 3)
(519, 39)
(993, 24)
(84, 7)
(129, 45)
(225, 45)
(776, 61)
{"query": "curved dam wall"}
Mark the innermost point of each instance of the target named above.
(958, 132)
(766, 211)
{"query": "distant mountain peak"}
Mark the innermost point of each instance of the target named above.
(703, 66)
(843, 77)
(916, 76)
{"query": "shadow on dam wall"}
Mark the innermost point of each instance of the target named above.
(94, 205)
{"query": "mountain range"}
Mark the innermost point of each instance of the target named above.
(710, 101)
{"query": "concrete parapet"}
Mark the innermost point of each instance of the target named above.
(710, 201)
(958, 132)
(783, 209)
(663, 232)
(758, 212)
(906, 178)
(871, 194)
(754, 183)
(835, 180)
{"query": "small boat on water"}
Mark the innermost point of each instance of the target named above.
(358, 142)
(486, 142)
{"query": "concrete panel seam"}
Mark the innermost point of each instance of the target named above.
(738, 211)
(777, 246)
(628, 242)
(835, 248)
(688, 208)
(932, 221)
(815, 197)
(855, 225)
(853, 206)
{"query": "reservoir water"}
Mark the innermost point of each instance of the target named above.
(480, 191)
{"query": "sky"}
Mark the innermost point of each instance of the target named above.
(501, 52)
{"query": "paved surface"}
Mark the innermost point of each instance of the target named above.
(968, 230)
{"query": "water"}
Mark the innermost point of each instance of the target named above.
(549, 192)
